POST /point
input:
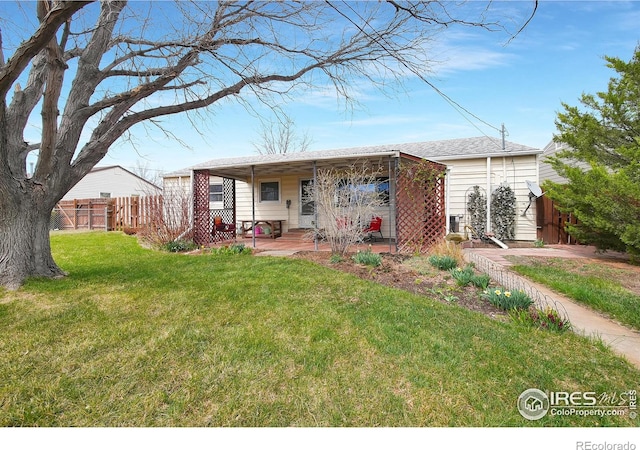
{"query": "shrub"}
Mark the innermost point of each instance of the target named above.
(467, 276)
(507, 300)
(462, 276)
(477, 209)
(547, 319)
(130, 231)
(179, 245)
(503, 212)
(481, 281)
(443, 262)
(538, 243)
(336, 258)
(446, 247)
(368, 258)
(233, 249)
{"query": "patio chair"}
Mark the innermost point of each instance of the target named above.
(223, 231)
(375, 227)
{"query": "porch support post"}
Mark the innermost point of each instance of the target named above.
(315, 208)
(390, 205)
(253, 206)
(396, 169)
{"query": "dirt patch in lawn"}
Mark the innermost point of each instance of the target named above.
(412, 274)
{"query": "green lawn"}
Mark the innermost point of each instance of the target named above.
(591, 284)
(134, 337)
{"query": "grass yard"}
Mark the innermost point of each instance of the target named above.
(596, 285)
(135, 337)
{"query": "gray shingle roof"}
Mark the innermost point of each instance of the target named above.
(443, 150)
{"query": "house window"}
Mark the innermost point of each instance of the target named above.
(105, 194)
(380, 186)
(270, 191)
(215, 192)
(383, 189)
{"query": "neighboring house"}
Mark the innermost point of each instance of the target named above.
(111, 182)
(270, 186)
(551, 222)
(546, 171)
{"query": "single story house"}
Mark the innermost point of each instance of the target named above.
(270, 187)
(111, 182)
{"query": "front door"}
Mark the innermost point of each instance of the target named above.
(307, 212)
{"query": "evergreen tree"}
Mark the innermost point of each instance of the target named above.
(602, 163)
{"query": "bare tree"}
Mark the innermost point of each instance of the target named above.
(144, 170)
(281, 137)
(345, 202)
(93, 70)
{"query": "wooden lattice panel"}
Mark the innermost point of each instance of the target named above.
(227, 213)
(420, 203)
(201, 223)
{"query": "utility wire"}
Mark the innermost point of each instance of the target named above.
(384, 45)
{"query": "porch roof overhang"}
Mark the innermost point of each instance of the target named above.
(279, 165)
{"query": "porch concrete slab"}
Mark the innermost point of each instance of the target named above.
(622, 340)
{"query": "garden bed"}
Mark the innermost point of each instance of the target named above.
(412, 274)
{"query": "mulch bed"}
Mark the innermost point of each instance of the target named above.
(394, 272)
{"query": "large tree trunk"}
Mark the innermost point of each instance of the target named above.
(25, 249)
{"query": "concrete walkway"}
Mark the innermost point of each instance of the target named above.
(623, 340)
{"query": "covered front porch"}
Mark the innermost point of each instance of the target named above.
(260, 201)
(295, 240)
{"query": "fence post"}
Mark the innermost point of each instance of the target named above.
(75, 214)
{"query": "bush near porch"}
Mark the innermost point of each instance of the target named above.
(136, 337)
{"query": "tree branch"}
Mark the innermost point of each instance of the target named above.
(49, 26)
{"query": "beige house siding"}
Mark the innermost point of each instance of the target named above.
(466, 173)
(277, 210)
(463, 175)
(546, 171)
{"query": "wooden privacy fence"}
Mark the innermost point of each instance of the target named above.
(551, 223)
(107, 213)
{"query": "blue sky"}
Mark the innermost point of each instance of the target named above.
(521, 84)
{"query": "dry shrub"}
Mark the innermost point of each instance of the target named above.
(345, 199)
(444, 247)
(130, 231)
(169, 219)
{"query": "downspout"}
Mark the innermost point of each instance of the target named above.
(488, 227)
(253, 207)
(315, 208)
(447, 197)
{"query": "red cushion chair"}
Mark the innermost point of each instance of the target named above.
(375, 227)
(223, 231)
